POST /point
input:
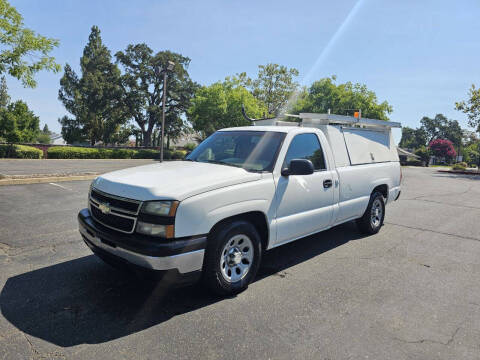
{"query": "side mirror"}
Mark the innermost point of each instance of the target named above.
(298, 167)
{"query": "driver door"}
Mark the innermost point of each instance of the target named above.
(304, 203)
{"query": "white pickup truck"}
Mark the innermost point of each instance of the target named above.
(241, 192)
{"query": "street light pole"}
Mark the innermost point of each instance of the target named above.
(163, 113)
(169, 67)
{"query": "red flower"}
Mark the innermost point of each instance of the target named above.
(442, 148)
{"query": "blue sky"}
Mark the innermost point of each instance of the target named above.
(419, 55)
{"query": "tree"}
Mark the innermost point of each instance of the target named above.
(4, 97)
(143, 90)
(341, 99)
(44, 136)
(273, 86)
(424, 153)
(18, 123)
(471, 107)
(72, 131)
(220, 105)
(442, 148)
(413, 138)
(471, 153)
(95, 98)
(441, 128)
(24, 52)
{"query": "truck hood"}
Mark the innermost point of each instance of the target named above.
(173, 180)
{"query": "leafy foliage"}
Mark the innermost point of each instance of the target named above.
(4, 97)
(424, 153)
(19, 44)
(72, 131)
(471, 107)
(95, 98)
(459, 166)
(442, 148)
(471, 153)
(219, 106)
(273, 86)
(43, 138)
(143, 90)
(413, 138)
(69, 152)
(20, 151)
(441, 128)
(18, 123)
(342, 99)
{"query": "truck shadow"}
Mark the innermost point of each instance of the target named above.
(85, 301)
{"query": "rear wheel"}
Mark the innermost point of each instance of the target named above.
(372, 219)
(232, 257)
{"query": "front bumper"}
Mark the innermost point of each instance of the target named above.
(183, 255)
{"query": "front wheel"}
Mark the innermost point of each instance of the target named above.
(232, 257)
(372, 220)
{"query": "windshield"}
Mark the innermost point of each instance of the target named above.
(250, 150)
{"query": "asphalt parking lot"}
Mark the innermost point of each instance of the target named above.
(409, 292)
(19, 167)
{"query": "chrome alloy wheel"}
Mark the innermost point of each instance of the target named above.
(236, 258)
(376, 213)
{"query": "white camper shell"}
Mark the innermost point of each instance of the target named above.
(356, 141)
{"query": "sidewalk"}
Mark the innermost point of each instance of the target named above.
(29, 171)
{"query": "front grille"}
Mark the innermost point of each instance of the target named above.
(120, 214)
(125, 205)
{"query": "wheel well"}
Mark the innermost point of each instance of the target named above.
(383, 189)
(257, 218)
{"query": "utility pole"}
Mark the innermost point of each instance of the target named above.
(163, 113)
(169, 67)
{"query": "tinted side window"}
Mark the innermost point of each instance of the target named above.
(306, 146)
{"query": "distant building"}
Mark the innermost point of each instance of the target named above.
(57, 139)
(405, 155)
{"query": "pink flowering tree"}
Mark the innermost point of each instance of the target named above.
(442, 148)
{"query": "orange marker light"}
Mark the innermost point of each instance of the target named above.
(356, 114)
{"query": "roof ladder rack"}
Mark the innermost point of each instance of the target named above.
(314, 120)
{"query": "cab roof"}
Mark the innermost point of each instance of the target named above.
(282, 129)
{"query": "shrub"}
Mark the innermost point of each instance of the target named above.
(459, 166)
(70, 152)
(179, 154)
(20, 151)
(122, 153)
(190, 146)
(66, 152)
(28, 152)
(442, 148)
(6, 150)
(414, 163)
(147, 154)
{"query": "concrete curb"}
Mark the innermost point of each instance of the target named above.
(461, 172)
(48, 179)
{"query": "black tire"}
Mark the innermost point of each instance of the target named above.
(217, 240)
(365, 224)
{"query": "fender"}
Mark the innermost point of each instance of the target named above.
(198, 214)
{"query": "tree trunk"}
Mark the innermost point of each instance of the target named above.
(147, 138)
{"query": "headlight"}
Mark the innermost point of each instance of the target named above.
(152, 229)
(160, 208)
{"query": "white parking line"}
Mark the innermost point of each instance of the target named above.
(63, 187)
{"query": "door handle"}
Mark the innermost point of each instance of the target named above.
(327, 183)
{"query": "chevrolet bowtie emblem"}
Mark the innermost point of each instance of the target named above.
(104, 208)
